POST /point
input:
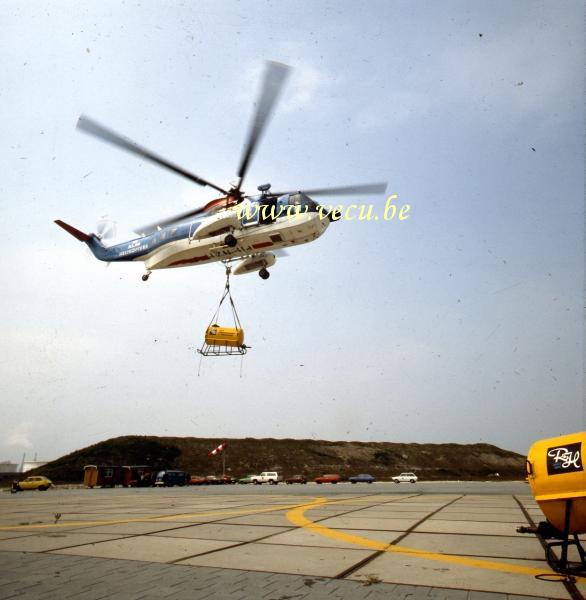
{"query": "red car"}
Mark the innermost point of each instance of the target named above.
(296, 479)
(332, 478)
(197, 480)
(213, 480)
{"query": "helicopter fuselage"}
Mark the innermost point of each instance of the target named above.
(261, 226)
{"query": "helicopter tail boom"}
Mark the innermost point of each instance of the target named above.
(93, 242)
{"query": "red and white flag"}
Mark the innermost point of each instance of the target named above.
(218, 450)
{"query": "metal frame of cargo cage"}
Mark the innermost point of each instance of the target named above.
(219, 349)
(564, 542)
(546, 531)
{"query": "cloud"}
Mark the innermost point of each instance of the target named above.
(20, 436)
(514, 71)
(511, 74)
(396, 107)
(303, 87)
(306, 81)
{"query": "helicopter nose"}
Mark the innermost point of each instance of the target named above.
(331, 215)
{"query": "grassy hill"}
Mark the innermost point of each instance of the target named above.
(289, 456)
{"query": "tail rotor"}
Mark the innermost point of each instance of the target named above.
(106, 229)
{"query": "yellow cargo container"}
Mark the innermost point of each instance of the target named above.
(224, 336)
(555, 471)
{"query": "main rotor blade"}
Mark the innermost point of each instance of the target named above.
(347, 190)
(91, 127)
(274, 79)
(151, 227)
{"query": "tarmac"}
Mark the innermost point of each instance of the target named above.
(425, 540)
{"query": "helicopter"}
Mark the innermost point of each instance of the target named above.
(248, 231)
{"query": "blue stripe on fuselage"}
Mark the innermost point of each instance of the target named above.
(133, 249)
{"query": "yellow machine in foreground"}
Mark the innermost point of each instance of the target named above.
(555, 471)
(556, 474)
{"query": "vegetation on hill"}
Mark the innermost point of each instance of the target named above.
(289, 456)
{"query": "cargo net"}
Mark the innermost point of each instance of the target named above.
(224, 341)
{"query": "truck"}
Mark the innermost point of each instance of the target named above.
(270, 477)
(171, 478)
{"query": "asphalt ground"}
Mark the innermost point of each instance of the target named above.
(428, 540)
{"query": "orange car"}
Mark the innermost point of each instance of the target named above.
(332, 478)
(197, 480)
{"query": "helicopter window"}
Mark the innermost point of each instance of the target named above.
(282, 204)
(268, 211)
(250, 213)
(173, 232)
(312, 205)
(295, 200)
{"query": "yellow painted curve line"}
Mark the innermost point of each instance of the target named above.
(297, 517)
(147, 519)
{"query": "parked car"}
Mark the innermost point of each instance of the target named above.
(296, 479)
(247, 479)
(330, 478)
(405, 477)
(213, 480)
(227, 479)
(32, 483)
(362, 478)
(197, 480)
(271, 477)
(171, 478)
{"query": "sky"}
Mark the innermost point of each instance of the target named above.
(463, 323)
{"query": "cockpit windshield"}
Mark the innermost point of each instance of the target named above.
(301, 200)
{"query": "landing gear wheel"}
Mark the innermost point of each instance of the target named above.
(264, 274)
(230, 241)
(146, 276)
